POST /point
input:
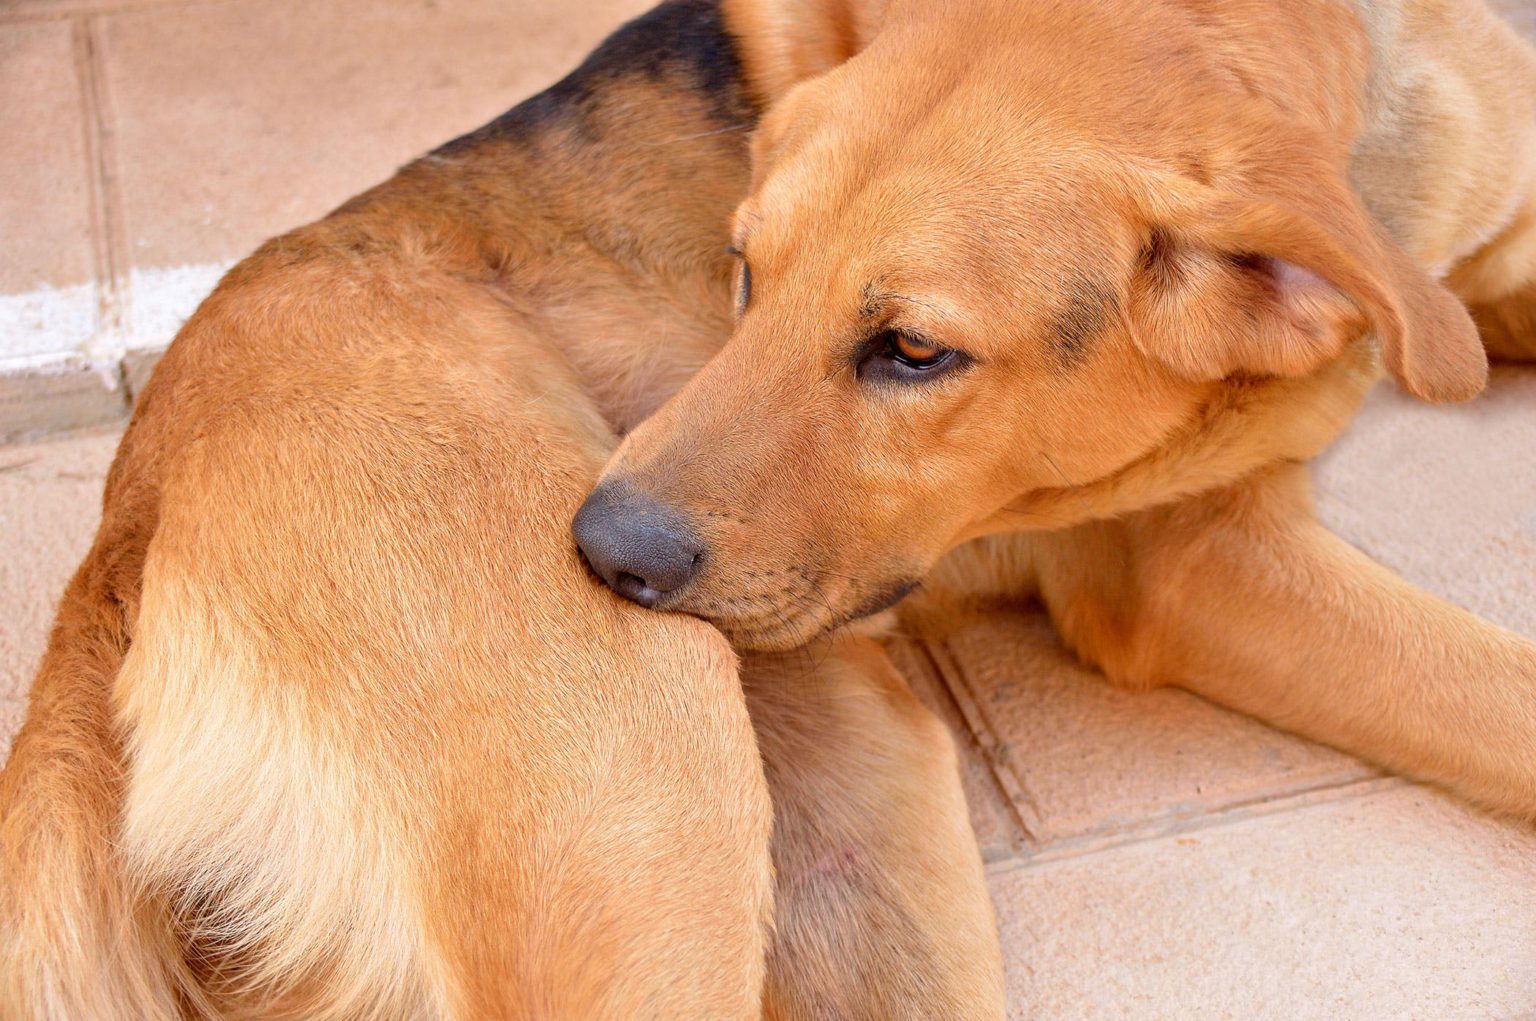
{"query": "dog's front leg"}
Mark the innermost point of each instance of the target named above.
(1243, 596)
(881, 910)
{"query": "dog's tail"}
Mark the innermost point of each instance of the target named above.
(76, 938)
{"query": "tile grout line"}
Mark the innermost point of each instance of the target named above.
(108, 241)
(1173, 827)
(101, 259)
(1020, 839)
(1013, 795)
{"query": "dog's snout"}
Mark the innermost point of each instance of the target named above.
(642, 548)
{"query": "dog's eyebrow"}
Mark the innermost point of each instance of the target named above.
(875, 303)
(871, 301)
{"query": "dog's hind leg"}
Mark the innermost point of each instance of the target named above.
(880, 905)
(1244, 597)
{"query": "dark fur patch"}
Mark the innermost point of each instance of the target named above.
(680, 42)
(1090, 305)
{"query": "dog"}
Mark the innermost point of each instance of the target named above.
(1062, 314)
(334, 723)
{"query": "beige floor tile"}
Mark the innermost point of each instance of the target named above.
(1402, 905)
(47, 291)
(50, 503)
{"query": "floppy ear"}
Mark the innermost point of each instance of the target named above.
(1279, 279)
(785, 42)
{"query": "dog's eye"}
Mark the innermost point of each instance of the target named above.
(896, 355)
(916, 352)
(743, 280)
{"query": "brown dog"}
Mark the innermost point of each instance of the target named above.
(1097, 277)
(334, 724)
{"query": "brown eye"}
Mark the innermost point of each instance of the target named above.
(917, 352)
(907, 357)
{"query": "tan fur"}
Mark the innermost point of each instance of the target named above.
(334, 724)
(871, 830)
(1174, 240)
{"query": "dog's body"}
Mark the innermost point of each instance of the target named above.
(333, 723)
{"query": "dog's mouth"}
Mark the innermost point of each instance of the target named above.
(784, 618)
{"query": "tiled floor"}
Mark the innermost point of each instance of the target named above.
(1152, 856)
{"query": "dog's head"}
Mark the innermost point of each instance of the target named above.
(1004, 249)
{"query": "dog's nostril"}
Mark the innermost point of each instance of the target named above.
(635, 590)
(642, 548)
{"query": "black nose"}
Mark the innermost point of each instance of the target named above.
(643, 549)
